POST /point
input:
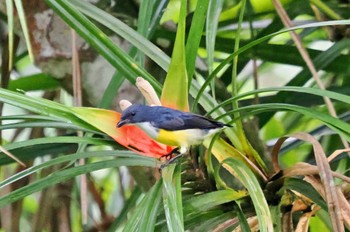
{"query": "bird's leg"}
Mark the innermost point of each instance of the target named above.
(181, 151)
(170, 161)
(170, 154)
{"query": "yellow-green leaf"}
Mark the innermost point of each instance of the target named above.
(175, 89)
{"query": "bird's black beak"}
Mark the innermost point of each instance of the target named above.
(122, 123)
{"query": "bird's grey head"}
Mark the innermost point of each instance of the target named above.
(133, 114)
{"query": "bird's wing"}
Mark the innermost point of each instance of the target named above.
(198, 121)
(169, 122)
(185, 121)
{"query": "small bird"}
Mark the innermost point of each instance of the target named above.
(171, 127)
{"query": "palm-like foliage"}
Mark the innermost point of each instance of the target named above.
(243, 179)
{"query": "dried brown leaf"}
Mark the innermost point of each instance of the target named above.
(223, 226)
(303, 223)
(326, 175)
(78, 100)
(252, 222)
(316, 183)
(9, 154)
(299, 205)
(329, 186)
(345, 207)
(336, 153)
(274, 154)
(287, 224)
(305, 169)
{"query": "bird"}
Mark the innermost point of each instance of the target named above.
(170, 126)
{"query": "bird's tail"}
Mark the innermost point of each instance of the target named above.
(220, 124)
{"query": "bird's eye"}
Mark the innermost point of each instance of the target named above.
(133, 113)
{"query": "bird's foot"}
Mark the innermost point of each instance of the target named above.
(169, 156)
(170, 161)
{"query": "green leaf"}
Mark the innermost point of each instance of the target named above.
(143, 23)
(276, 216)
(33, 82)
(248, 179)
(313, 91)
(247, 148)
(326, 9)
(65, 159)
(175, 88)
(23, 22)
(39, 150)
(131, 202)
(36, 105)
(45, 124)
(305, 189)
(334, 60)
(151, 207)
(130, 35)
(265, 5)
(335, 124)
(104, 45)
(172, 197)
(144, 218)
(65, 174)
(213, 13)
(210, 200)
(52, 140)
(171, 12)
(211, 221)
(320, 61)
(225, 62)
(321, 222)
(125, 32)
(208, 103)
(242, 219)
(30, 117)
(194, 37)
